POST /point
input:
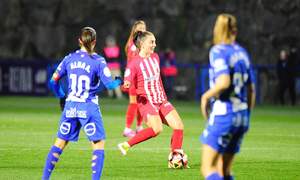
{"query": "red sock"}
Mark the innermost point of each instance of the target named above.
(139, 118)
(177, 138)
(143, 135)
(131, 111)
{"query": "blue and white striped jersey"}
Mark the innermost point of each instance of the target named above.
(233, 60)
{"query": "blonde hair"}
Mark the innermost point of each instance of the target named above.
(132, 32)
(225, 29)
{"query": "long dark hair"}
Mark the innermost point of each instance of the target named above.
(87, 38)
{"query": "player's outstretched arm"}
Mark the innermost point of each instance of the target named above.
(114, 84)
(55, 86)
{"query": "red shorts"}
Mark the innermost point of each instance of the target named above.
(146, 108)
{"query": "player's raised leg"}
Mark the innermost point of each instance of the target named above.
(53, 157)
(154, 128)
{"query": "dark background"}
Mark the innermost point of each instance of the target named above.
(47, 30)
(34, 29)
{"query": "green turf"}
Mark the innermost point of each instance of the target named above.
(271, 150)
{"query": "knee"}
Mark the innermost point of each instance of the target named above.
(179, 124)
(60, 143)
(157, 129)
(98, 145)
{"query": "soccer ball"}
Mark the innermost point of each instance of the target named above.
(177, 160)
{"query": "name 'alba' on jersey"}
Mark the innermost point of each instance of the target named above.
(82, 65)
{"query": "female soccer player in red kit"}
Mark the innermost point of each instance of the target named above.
(131, 51)
(144, 73)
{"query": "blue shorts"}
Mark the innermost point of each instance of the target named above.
(224, 133)
(77, 115)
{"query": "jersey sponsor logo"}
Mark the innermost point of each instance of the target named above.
(90, 129)
(106, 72)
(127, 72)
(133, 48)
(167, 104)
(72, 113)
(220, 64)
(65, 128)
(81, 114)
(80, 65)
(152, 78)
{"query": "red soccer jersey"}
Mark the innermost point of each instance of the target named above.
(132, 51)
(144, 74)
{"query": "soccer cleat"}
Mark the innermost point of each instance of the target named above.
(124, 147)
(128, 133)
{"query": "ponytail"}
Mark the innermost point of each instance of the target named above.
(87, 38)
(225, 29)
(137, 39)
(139, 36)
(132, 32)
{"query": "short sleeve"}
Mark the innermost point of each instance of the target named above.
(61, 69)
(104, 72)
(218, 63)
(130, 72)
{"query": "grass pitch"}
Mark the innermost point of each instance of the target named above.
(28, 126)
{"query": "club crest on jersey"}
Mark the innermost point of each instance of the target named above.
(80, 65)
(167, 104)
(127, 73)
(133, 48)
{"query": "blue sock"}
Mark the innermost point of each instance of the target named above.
(51, 161)
(97, 164)
(214, 176)
(230, 177)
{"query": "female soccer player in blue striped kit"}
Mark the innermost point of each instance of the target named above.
(232, 96)
(84, 70)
